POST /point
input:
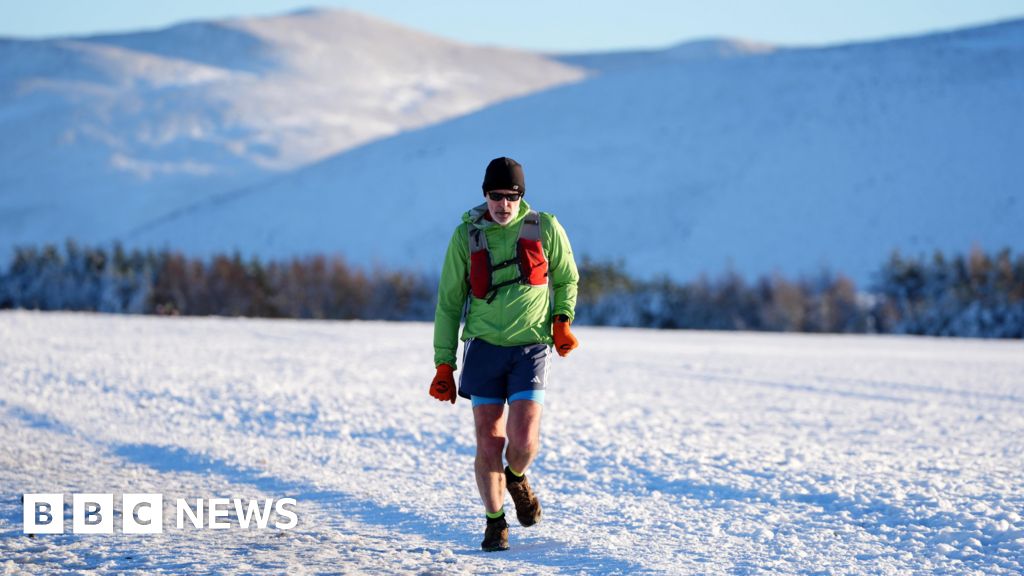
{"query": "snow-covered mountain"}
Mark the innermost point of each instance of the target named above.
(246, 134)
(709, 49)
(762, 160)
(101, 133)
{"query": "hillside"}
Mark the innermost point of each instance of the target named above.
(785, 160)
(99, 134)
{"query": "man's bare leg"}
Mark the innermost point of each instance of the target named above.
(523, 434)
(490, 443)
(523, 444)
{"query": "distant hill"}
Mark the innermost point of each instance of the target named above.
(760, 160)
(711, 49)
(99, 134)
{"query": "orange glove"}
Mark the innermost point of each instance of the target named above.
(565, 342)
(443, 386)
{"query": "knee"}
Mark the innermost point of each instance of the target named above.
(524, 442)
(490, 446)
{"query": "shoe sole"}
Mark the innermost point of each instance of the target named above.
(496, 549)
(529, 521)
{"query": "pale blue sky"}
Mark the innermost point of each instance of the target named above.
(549, 25)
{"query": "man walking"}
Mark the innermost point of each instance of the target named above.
(502, 257)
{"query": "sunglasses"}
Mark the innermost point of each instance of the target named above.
(498, 196)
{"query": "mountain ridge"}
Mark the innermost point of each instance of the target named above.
(787, 162)
(143, 124)
(728, 153)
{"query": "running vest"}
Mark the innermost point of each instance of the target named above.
(533, 265)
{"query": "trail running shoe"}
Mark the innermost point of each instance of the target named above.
(496, 535)
(527, 506)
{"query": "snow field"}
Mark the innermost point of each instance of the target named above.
(663, 452)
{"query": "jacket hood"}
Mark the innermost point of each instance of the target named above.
(475, 216)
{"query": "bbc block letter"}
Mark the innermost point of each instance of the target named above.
(93, 513)
(43, 514)
(143, 513)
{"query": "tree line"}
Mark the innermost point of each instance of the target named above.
(169, 283)
(974, 295)
(977, 295)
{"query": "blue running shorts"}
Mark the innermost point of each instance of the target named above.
(495, 374)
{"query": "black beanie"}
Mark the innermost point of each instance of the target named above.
(504, 174)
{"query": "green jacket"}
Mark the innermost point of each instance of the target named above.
(520, 314)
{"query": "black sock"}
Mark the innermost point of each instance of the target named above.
(511, 478)
(497, 518)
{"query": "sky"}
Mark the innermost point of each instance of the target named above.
(547, 25)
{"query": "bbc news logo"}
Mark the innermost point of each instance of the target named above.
(144, 513)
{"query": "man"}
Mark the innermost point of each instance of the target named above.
(502, 257)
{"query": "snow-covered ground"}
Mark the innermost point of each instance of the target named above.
(664, 452)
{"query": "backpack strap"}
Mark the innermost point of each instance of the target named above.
(530, 229)
(477, 238)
